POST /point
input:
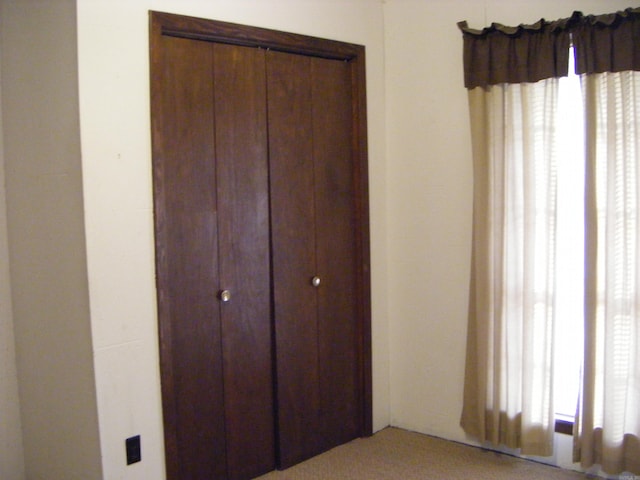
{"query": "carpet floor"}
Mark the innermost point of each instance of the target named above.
(398, 454)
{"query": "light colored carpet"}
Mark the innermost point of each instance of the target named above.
(401, 455)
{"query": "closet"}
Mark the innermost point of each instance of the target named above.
(261, 231)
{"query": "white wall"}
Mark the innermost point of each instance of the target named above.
(46, 243)
(114, 115)
(11, 452)
(429, 192)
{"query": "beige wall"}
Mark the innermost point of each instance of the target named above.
(11, 453)
(46, 241)
(114, 113)
(420, 188)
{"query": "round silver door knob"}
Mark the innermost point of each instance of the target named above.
(315, 281)
(225, 295)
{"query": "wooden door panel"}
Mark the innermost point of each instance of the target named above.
(293, 247)
(340, 400)
(187, 263)
(243, 222)
(313, 226)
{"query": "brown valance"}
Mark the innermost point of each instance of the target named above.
(607, 43)
(526, 53)
(529, 53)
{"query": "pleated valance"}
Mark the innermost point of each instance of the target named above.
(529, 53)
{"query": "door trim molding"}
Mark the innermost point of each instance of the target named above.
(224, 32)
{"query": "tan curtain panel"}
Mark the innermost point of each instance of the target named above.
(508, 382)
(608, 423)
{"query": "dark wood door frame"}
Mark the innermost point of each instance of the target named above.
(164, 24)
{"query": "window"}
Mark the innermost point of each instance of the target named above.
(569, 338)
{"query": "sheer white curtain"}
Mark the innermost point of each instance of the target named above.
(508, 386)
(608, 427)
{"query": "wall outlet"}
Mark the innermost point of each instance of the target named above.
(134, 453)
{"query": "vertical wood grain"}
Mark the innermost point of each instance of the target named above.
(294, 263)
(340, 392)
(187, 262)
(243, 220)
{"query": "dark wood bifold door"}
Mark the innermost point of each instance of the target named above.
(260, 199)
(315, 301)
(212, 232)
